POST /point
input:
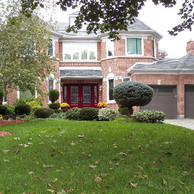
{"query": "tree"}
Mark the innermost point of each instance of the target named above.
(23, 50)
(131, 93)
(112, 16)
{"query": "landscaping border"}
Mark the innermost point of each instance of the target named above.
(11, 122)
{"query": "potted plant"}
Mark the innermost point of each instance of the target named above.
(64, 106)
(102, 105)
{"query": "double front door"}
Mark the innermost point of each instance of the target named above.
(80, 95)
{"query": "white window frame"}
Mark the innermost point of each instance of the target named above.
(110, 77)
(79, 46)
(109, 46)
(142, 46)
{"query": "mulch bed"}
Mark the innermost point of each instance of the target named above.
(3, 133)
(11, 122)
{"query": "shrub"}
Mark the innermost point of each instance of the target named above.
(34, 104)
(22, 109)
(54, 105)
(4, 110)
(107, 114)
(73, 114)
(1, 117)
(123, 111)
(57, 116)
(43, 112)
(58, 111)
(131, 93)
(10, 109)
(1, 96)
(149, 116)
(53, 95)
(88, 114)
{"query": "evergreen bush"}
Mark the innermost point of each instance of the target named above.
(107, 114)
(88, 114)
(123, 111)
(53, 95)
(22, 109)
(73, 114)
(54, 105)
(131, 93)
(149, 116)
(43, 112)
(4, 110)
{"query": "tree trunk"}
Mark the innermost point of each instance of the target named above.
(130, 111)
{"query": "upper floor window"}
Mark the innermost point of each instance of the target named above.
(79, 51)
(50, 47)
(109, 48)
(154, 48)
(134, 46)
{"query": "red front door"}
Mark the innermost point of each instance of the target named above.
(80, 95)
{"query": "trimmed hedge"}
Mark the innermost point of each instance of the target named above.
(149, 116)
(107, 114)
(22, 109)
(88, 114)
(53, 95)
(73, 114)
(43, 112)
(4, 110)
(54, 105)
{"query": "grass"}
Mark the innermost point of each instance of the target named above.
(120, 156)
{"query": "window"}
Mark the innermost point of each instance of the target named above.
(26, 94)
(154, 48)
(50, 47)
(134, 46)
(126, 79)
(30, 48)
(51, 82)
(109, 48)
(79, 51)
(111, 87)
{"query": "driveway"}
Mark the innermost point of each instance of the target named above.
(187, 123)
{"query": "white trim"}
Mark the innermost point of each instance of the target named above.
(142, 46)
(127, 57)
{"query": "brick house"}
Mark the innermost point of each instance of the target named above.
(89, 66)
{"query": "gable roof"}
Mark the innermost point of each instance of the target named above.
(138, 27)
(165, 66)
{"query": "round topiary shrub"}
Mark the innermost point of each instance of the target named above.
(107, 114)
(54, 105)
(43, 113)
(131, 93)
(88, 114)
(73, 114)
(149, 116)
(4, 110)
(53, 95)
(22, 109)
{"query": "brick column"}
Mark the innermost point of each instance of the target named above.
(180, 98)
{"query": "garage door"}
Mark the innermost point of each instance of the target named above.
(164, 99)
(189, 101)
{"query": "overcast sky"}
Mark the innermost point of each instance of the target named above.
(160, 19)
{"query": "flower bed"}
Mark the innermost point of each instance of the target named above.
(11, 122)
(3, 133)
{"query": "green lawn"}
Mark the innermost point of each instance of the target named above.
(102, 157)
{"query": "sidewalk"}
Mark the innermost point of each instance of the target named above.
(187, 123)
